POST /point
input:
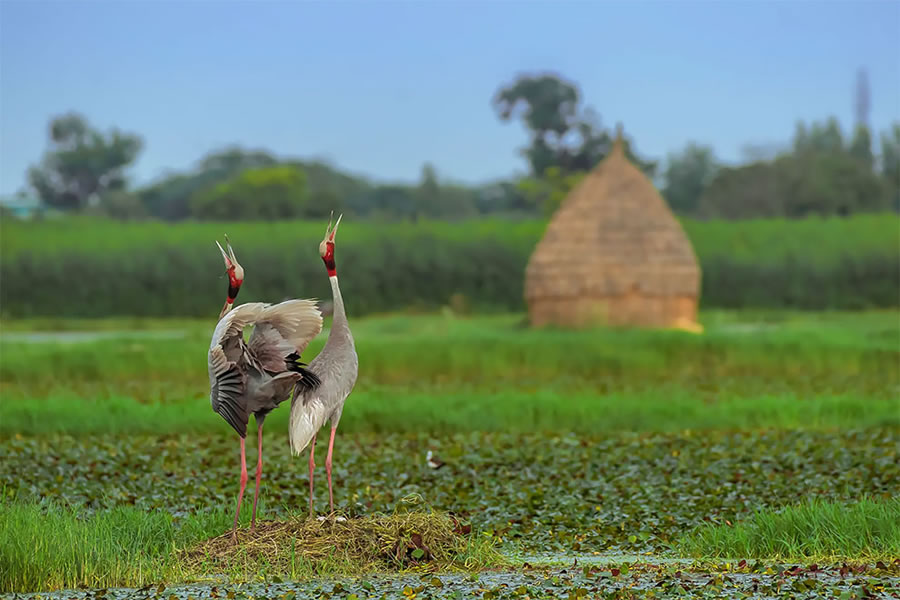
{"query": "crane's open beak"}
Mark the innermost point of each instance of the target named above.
(329, 232)
(329, 235)
(230, 260)
(334, 231)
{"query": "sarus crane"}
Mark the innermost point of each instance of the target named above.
(255, 376)
(336, 366)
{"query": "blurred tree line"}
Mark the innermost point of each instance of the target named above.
(83, 172)
(823, 172)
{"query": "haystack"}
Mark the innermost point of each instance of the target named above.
(614, 254)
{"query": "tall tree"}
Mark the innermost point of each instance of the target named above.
(549, 107)
(688, 174)
(562, 134)
(827, 137)
(82, 163)
(801, 138)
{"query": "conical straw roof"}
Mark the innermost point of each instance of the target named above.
(613, 253)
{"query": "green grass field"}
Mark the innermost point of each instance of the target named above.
(558, 443)
(446, 374)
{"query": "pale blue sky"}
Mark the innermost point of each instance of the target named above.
(380, 87)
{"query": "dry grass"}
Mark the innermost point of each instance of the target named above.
(411, 541)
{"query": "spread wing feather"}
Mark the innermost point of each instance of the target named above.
(280, 333)
(228, 360)
(230, 328)
(283, 331)
(226, 391)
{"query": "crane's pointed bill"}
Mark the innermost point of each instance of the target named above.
(228, 263)
(334, 231)
(230, 249)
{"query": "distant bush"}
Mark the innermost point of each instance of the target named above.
(87, 268)
(267, 193)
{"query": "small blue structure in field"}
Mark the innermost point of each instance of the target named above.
(21, 206)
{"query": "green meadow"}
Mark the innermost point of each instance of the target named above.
(772, 438)
(450, 374)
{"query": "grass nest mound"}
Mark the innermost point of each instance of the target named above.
(420, 540)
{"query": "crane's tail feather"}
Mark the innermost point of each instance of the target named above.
(307, 418)
(308, 382)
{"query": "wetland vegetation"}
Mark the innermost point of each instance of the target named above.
(624, 453)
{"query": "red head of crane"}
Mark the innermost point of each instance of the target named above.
(326, 248)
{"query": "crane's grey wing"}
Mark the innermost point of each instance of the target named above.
(282, 332)
(228, 361)
(227, 385)
(229, 331)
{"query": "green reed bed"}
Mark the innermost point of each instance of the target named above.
(816, 530)
(156, 269)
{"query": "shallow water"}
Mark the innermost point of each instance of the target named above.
(561, 559)
(590, 578)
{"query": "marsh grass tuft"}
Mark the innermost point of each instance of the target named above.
(298, 547)
(817, 530)
(45, 546)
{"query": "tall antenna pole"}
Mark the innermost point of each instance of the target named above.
(862, 100)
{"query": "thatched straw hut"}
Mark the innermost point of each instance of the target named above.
(613, 254)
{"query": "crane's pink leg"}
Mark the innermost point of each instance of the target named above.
(312, 465)
(258, 475)
(240, 493)
(328, 468)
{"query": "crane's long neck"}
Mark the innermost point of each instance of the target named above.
(339, 324)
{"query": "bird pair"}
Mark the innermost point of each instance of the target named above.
(256, 375)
